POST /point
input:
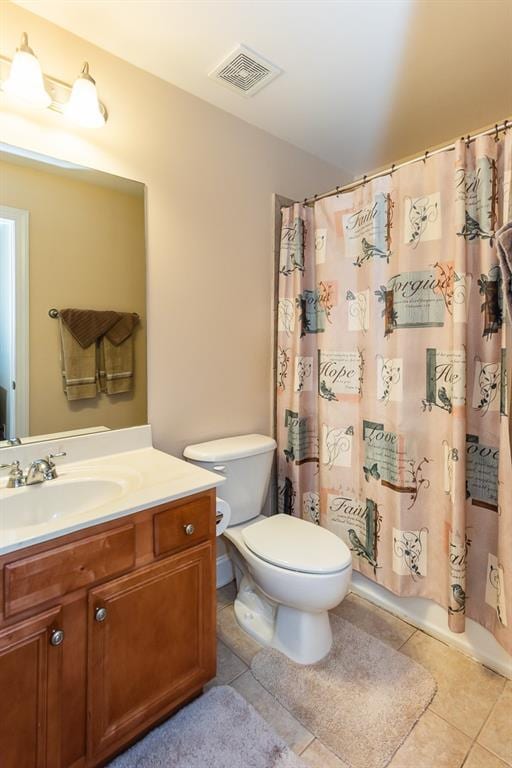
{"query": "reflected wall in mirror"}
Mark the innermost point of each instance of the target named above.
(71, 238)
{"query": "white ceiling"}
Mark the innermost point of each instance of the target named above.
(364, 82)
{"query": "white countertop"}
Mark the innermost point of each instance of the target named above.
(149, 477)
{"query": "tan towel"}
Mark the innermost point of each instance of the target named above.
(116, 366)
(78, 367)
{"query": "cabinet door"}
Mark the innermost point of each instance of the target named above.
(151, 645)
(30, 685)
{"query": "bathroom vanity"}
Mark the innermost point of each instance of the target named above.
(109, 627)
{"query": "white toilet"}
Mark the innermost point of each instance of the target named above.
(289, 572)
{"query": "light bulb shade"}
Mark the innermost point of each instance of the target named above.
(84, 106)
(25, 81)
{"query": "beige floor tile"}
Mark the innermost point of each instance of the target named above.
(433, 743)
(226, 595)
(496, 734)
(466, 690)
(234, 637)
(229, 666)
(291, 731)
(374, 620)
(318, 756)
(481, 758)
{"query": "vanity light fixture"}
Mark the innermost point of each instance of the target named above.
(83, 106)
(25, 81)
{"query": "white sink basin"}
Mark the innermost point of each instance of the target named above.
(66, 496)
(105, 477)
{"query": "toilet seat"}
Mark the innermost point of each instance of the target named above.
(297, 545)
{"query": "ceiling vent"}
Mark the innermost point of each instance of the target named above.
(245, 72)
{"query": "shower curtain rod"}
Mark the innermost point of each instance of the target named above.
(496, 130)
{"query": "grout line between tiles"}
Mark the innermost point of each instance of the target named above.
(406, 641)
(281, 704)
(247, 664)
(464, 759)
(237, 676)
(313, 738)
(298, 720)
(489, 717)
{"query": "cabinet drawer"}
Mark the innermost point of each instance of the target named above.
(51, 574)
(184, 525)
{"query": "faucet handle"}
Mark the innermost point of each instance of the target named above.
(16, 477)
(52, 471)
(12, 465)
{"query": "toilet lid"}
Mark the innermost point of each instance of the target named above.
(297, 545)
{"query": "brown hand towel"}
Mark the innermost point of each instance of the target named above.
(88, 325)
(123, 328)
(78, 367)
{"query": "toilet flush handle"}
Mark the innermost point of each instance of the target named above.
(220, 468)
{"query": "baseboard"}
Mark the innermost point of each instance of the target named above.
(427, 615)
(224, 571)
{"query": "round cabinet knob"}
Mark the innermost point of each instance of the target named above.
(57, 637)
(100, 614)
(189, 529)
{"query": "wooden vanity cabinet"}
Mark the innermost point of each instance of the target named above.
(148, 644)
(30, 692)
(138, 634)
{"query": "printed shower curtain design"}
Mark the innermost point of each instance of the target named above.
(391, 378)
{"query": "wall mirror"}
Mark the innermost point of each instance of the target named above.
(72, 298)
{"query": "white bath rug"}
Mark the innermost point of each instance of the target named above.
(218, 730)
(361, 701)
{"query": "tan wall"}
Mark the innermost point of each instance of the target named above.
(210, 179)
(86, 247)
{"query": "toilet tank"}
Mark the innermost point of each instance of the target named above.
(246, 463)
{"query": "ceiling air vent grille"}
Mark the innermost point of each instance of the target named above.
(245, 71)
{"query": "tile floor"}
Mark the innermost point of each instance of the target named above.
(468, 723)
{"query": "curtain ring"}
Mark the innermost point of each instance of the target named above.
(392, 169)
(425, 156)
(468, 140)
(305, 201)
(337, 193)
(505, 125)
(496, 133)
(364, 180)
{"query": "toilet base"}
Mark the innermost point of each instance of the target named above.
(305, 637)
(254, 613)
(302, 636)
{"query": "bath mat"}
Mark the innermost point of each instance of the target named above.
(219, 730)
(361, 701)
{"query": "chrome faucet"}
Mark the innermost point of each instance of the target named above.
(38, 471)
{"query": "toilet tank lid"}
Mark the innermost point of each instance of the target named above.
(228, 448)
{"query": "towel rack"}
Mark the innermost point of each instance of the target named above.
(54, 313)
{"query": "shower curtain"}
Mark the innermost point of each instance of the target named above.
(392, 416)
